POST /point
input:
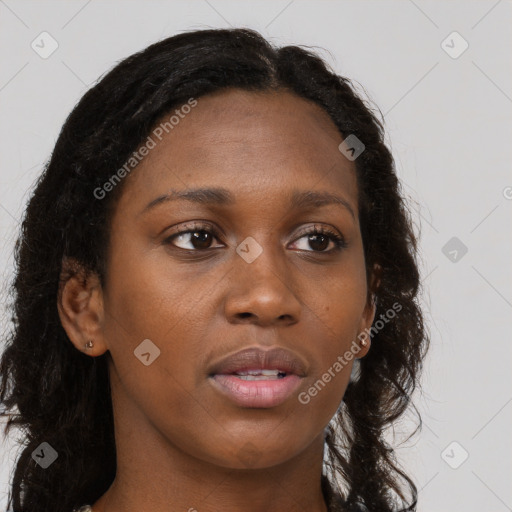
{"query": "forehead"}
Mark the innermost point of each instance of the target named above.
(254, 143)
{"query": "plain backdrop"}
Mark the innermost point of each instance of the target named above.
(447, 110)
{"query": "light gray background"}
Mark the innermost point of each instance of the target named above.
(449, 126)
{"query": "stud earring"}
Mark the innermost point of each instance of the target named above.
(364, 343)
(89, 344)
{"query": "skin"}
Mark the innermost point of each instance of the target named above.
(181, 445)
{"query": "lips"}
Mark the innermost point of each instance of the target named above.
(258, 379)
(253, 360)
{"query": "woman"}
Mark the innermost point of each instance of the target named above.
(216, 293)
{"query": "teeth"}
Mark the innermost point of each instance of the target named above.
(259, 377)
(269, 372)
(260, 372)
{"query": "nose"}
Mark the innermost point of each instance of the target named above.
(262, 292)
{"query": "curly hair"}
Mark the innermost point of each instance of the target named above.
(63, 396)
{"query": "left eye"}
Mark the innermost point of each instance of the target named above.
(201, 239)
(319, 239)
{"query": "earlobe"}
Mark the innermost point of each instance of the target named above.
(80, 307)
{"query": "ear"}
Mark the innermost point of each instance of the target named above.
(80, 306)
(369, 310)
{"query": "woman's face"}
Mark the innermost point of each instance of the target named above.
(250, 277)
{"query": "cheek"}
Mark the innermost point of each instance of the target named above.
(334, 355)
(341, 301)
(338, 309)
(148, 296)
(149, 300)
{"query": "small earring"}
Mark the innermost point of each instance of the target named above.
(364, 343)
(89, 344)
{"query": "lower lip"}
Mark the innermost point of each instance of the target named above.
(256, 393)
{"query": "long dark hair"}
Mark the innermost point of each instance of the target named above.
(63, 396)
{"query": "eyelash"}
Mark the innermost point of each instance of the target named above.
(336, 238)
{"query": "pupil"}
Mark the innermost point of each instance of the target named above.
(201, 237)
(314, 239)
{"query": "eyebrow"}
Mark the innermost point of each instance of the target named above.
(223, 197)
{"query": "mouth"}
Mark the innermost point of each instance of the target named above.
(257, 378)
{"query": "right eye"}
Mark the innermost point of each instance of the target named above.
(199, 237)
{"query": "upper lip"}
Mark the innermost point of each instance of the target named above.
(276, 358)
